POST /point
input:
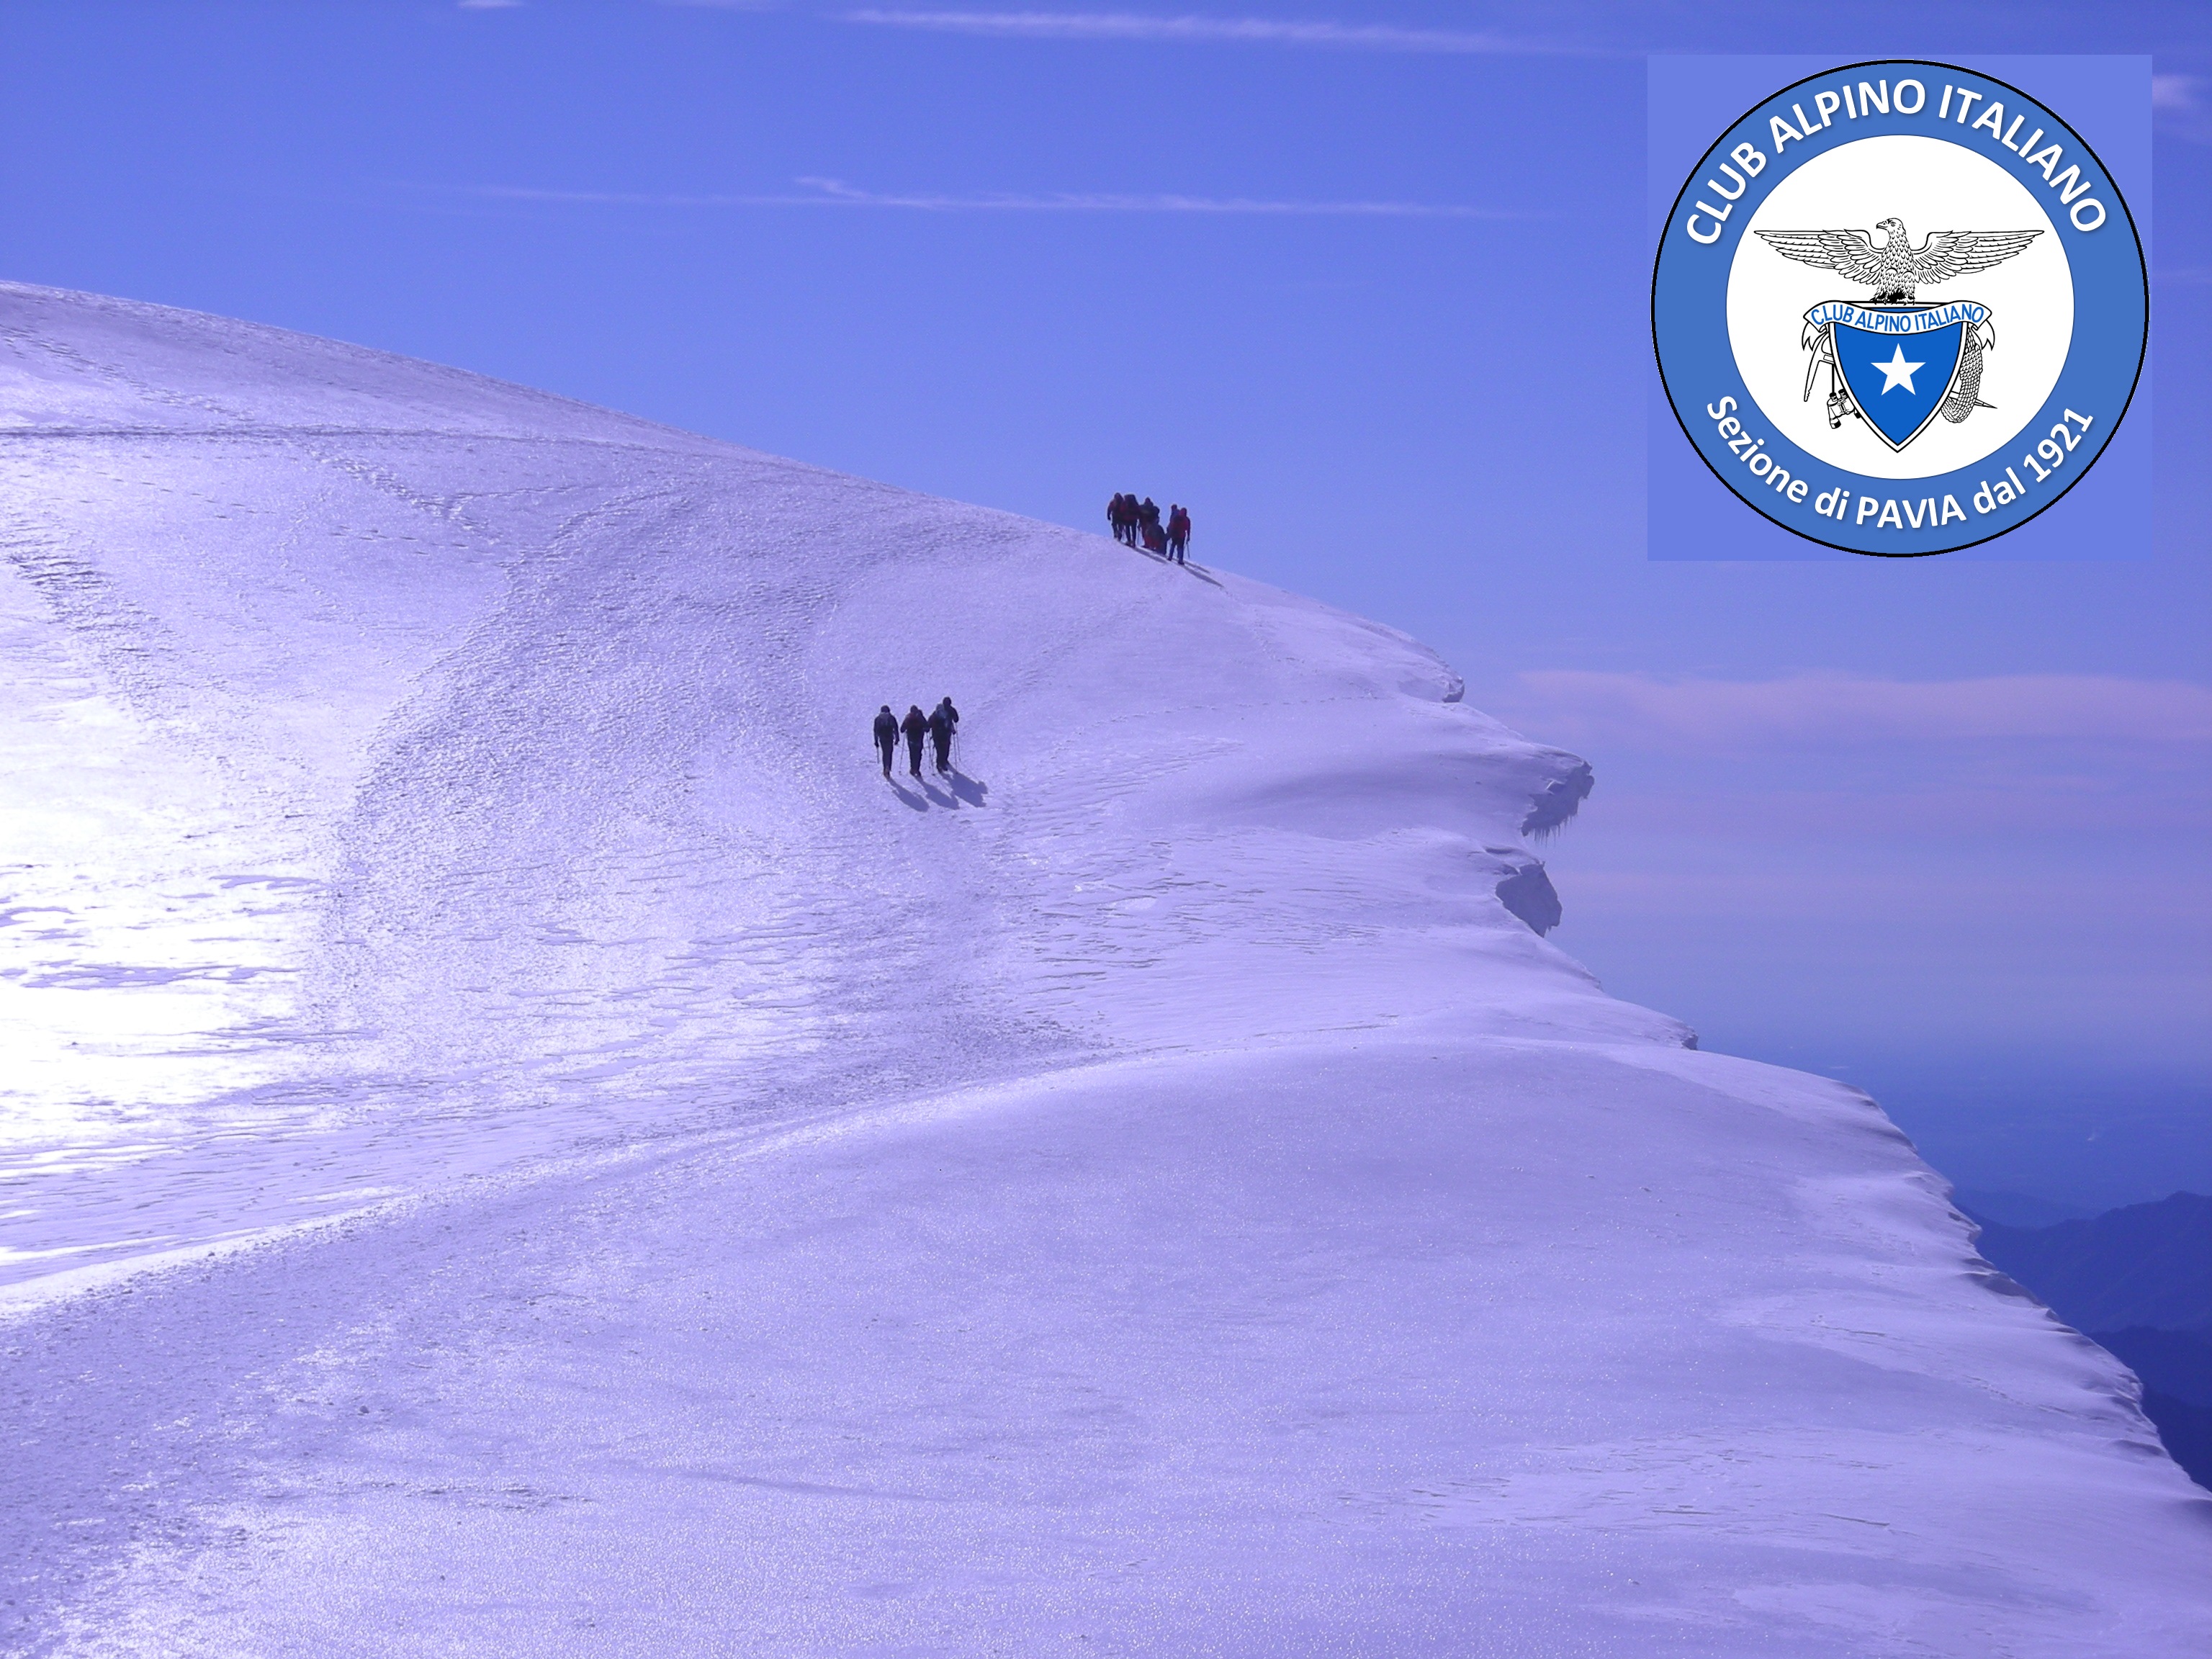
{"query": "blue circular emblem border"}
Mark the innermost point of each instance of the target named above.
(2104, 360)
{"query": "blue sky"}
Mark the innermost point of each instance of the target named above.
(1366, 288)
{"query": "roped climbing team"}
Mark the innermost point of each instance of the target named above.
(1137, 524)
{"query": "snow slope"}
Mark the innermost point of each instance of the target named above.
(519, 1141)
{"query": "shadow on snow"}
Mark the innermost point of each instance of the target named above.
(961, 788)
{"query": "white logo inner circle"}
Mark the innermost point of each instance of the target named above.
(1931, 184)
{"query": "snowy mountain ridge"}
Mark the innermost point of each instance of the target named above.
(341, 675)
(1153, 1190)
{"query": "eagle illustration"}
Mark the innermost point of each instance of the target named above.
(1896, 269)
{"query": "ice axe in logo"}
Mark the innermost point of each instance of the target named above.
(1943, 371)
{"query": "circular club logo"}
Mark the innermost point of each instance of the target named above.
(1899, 308)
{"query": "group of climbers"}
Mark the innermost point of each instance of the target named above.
(937, 725)
(1138, 523)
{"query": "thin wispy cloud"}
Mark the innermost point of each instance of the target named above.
(2174, 91)
(2182, 104)
(813, 192)
(1239, 31)
(1575, 706)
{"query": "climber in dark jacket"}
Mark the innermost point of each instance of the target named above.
(887, 731)
(916, 726)
(944, 721)
(1125, 525)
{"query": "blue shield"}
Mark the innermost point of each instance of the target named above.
(1899, 371)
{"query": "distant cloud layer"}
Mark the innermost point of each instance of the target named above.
(2174, 91)
(1826, 709)
(835, 192)
(2180, 103)
(1252, 31)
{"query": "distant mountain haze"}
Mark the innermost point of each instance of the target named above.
(2016, 1209)
(2138, 1281)
(2145, 1264)
(2178, 1364)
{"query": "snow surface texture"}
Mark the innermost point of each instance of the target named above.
(518, 1140)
